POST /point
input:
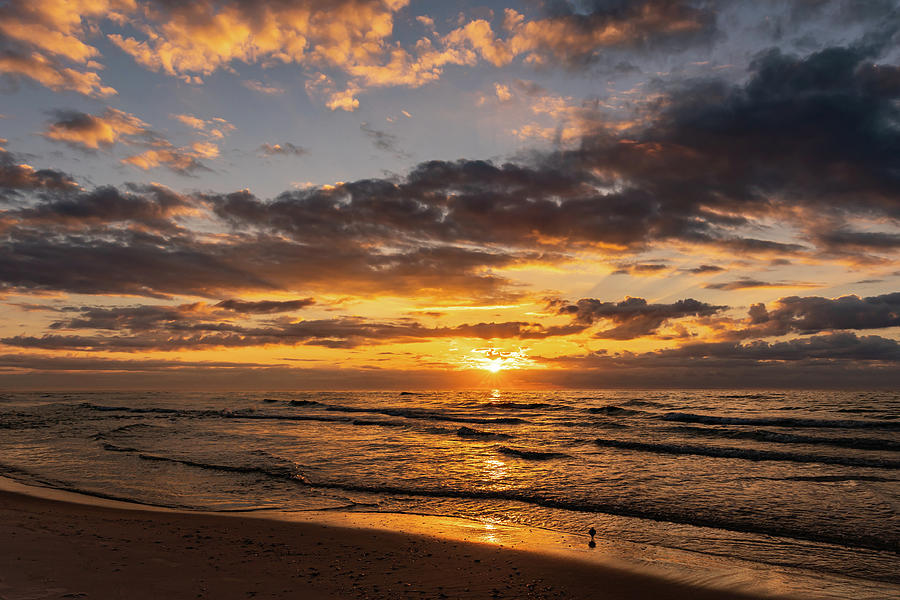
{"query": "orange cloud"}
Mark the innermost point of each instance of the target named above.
(49, 73)
(42, 34)
(215, 128)
(180, 160)
(201, 37)
(94, 131)
(56, 26)
(262, 88)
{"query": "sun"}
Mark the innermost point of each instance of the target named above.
(493, 360)
(495, 366)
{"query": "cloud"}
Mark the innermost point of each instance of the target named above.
(284, 149)
(50, 73)
(813, 314)
(94, 131)
(204, 36)
(351, 41)
(747, 283)
(45, 42)
(262, 88)
(179, 160)
(265, 306)
(17, 177)
(96, 249)
(711, 163)
(640, 269)
(382, 140)
(710, 166)
(191, 327)
(215, 128)
(837, 360)
(574, 33)
(151, 206)
(840, 239)
(633, 317)
(55, 363)
(703, 269)
(834, 360)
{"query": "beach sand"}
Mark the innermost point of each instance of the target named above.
(55, 549)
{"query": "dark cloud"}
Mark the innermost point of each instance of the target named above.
(284, 149)
(382, 140)
(818, 130)
(830, 347)
(839, 239)
(748, 283)
(123, 262)
(149, 205)
(189, 327)
(703, 269)
(575, 33)
(640, 269)
(832, 360)
(54, 363)
(133, 318)
(835, 346)
(813, 314)
(75, 243)
(265, 306)
(634, 317)
(17, 177)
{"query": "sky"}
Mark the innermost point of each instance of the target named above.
(400, 194)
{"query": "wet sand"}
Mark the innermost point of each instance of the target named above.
(55, 549)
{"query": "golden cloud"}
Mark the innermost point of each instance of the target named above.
(94, 131)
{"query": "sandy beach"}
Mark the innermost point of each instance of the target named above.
(55, 549)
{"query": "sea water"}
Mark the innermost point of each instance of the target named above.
(807, 480)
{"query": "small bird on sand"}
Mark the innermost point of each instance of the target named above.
(592, 532)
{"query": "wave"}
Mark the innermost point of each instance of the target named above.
(367, 422)
(530, 454)
(761, 435)
(281, 469)
(291, 473)
(780, 421)
(132, 427)
(248, 414)
(132, 409)
(613, 411)
(829, 478)
(477, 433)
(303, 403)
(592, 424)
(747, 454)
(524, 405)
(426, 415)
(641, 402)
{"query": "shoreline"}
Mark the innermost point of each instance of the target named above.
(62, 549)
(380, 555)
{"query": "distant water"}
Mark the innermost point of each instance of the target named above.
(803, 479)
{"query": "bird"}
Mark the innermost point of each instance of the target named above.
(592, 532)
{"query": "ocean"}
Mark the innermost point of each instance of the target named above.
(805, 480)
